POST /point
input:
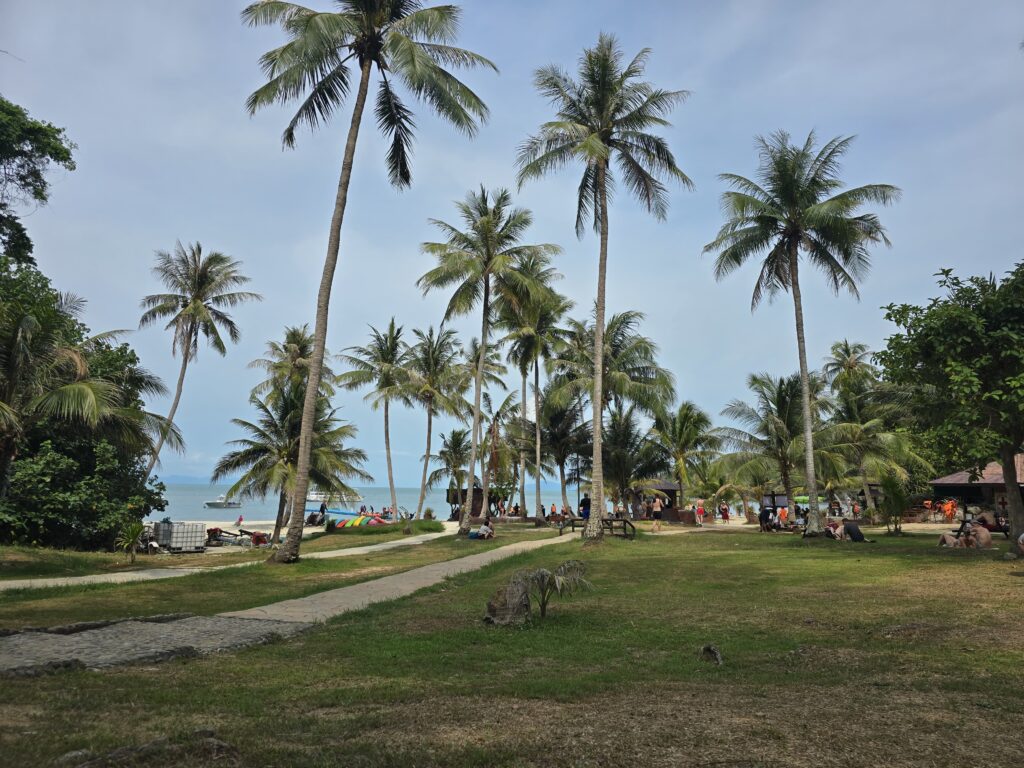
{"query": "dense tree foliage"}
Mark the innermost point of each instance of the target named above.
(74, 434)
(963, 357)
(28, 150)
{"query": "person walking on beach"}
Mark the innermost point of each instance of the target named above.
(723, 510)
(700, 513)
(657, 507)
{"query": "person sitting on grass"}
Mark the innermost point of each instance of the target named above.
(484, 531)
(982, 537)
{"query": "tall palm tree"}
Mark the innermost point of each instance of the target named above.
(381, 364)
(566, 434)
(772, 427)
(497, 445)
(267, 457)
(451, 460)
(200, 288)
(436, 382)
(605, 114)
(629, 370)
(482, 262)
(849, 372)
(534, 331)
(687, 438)
(796, 209)
(406, 43)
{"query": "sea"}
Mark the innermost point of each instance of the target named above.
(185, 502)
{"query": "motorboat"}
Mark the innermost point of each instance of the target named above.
(222, 502)
(318, 497)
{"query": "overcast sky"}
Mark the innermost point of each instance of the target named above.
(153, 92)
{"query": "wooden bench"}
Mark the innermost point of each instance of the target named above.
(614, 526)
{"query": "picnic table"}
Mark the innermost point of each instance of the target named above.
(614, 526)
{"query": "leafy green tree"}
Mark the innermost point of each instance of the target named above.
(482, 262)
(58, 383)
(687, 437)
(383, 365)
(405, 43)
(200, 288)
(962, 355)
(605, 114)
(28, 150)
(796, 210)
(437, 381)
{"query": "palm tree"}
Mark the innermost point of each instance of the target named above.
(436, 382)
(771, 427)
(687, 438)
(565, 434)
(287, 364)
(629, 372)
(606, 114)
(632, 455)
(45, 373)
(533, 323)
(406, 43)
(795, 209)
(381, 364)
(482, 263)
(451, 460)
(267, 457)
(200, 288)
(849, 372)
(497, 447)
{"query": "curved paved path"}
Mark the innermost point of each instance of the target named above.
(133, 641)
(151, 574)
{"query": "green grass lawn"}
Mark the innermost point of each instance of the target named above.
(835, 654)
(44, 562)
(232, 589)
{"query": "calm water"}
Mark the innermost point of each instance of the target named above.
(185, 502)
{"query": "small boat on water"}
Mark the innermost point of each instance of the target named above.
(316, 497)
(222, 502)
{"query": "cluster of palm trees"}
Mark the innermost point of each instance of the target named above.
(858, 430)
(606, 118)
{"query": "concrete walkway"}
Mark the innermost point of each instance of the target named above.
(152, 574)
(134, 641)
(326, 605)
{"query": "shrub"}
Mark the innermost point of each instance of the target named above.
(428, 513)
(542, 584)
(129, 537)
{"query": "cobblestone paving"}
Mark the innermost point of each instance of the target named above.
(130, 642)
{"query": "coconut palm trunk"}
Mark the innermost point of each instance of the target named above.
(387, 456)
(282, 505)
(815, 520)
(289, 551)
(561, 481)
(536, 427)
(593, 529)
(522, 453)
(1014, 502)
(426, 461)
(174, 408)
(478, 383)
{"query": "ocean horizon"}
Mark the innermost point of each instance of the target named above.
(185, 501)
